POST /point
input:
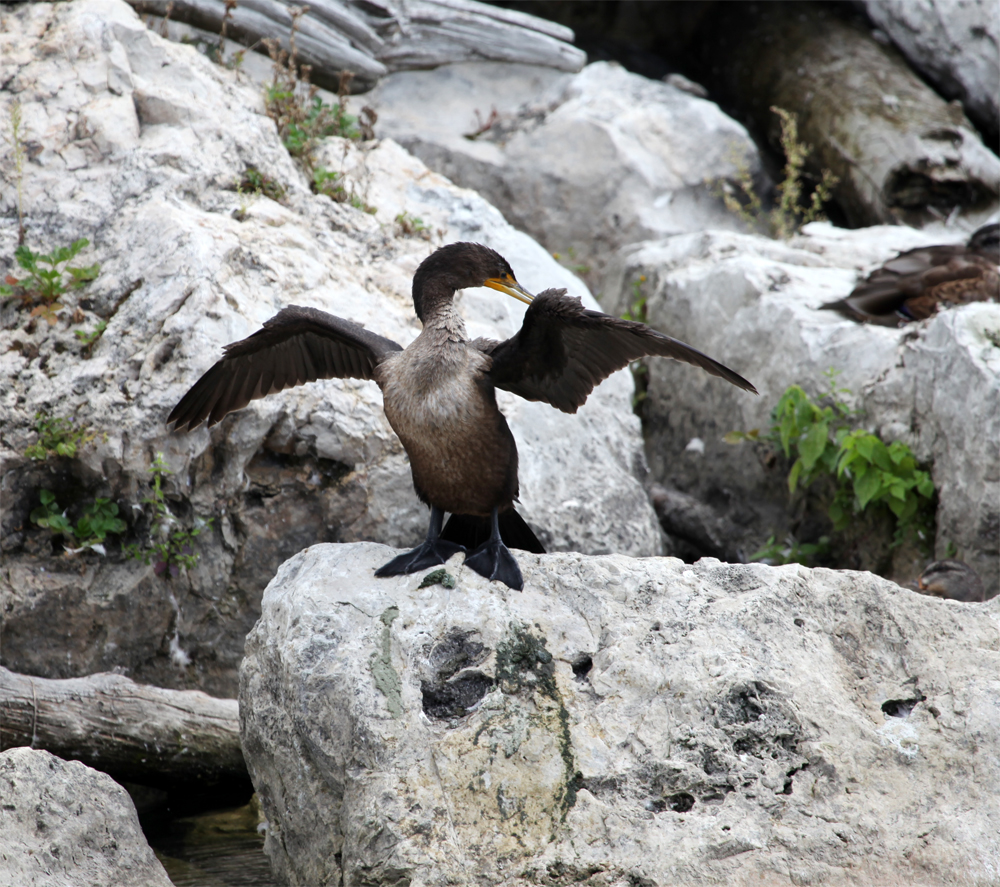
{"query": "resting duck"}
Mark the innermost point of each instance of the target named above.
(915, 284)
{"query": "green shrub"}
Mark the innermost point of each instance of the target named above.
(866, 472)
(47, 281)
(171, 544)
(411, 226)
(783, 220)
(303, 118)
(89, 340)
(253, 181)
(58, 436)
(99, 519)
(792, 551)
(639, 368)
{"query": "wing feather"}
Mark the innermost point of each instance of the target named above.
(563, 351)
(296, 346)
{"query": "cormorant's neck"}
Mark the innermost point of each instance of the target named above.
(435, 306)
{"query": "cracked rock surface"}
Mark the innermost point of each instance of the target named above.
(621, 721)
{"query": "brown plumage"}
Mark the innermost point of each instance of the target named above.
(917, 283)
(439, 392)
(953, 580)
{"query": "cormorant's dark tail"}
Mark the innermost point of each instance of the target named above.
(471, 531)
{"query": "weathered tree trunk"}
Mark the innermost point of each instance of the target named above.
(134, 732)
(377, 36)
(427, 33)
(317, 43)
(901, 152)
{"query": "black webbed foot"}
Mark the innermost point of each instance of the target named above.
(428, 554)
(494, 561)
(432, 552)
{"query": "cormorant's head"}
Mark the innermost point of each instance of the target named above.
(461, 265)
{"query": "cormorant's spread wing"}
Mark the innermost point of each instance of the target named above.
(564, 350)
(297, 345)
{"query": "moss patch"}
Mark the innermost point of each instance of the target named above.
(438, 577)
(523, 664)
(386, 677)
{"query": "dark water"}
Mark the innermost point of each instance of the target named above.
(218, 848)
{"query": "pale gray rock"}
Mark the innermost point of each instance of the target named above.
(621, 722)
(752, 303)
(955, 43)
(585, 163)
(63, 824)
(141, 142)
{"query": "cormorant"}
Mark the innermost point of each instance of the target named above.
(916, 283)
(439, 392)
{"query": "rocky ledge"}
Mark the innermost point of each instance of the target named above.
(620, 722)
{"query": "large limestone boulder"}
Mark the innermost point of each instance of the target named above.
(955, 45)
(619, 722)
(137, 143)
(934, 385)
(585, 163)
(63, 824)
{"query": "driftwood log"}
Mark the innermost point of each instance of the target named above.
(375, 37)
(133, 732)
(327, 48)
(901, 152)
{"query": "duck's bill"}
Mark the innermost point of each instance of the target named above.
(511, 287)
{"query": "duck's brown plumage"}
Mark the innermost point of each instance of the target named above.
(953, 580)
(439, 393)
(918, 282)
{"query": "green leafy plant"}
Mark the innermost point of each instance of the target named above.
(303, 118)
(637, 309)
(790, 214)
(171, 545)
(50, 515)
(49, 278)
(639, 368)
(253, 181)
(358, 203)
(876, 473)
(411, 226)
(99, 519)
(89, 340)
(325, 182)
(58, 436)
(866, 472)
(791, 551)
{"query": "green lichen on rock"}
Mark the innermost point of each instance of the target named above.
(386, 677)
(523, 664)
(439, 577)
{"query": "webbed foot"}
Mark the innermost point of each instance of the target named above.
(428, 554)
(494, 561)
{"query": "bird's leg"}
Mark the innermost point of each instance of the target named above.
(430, 553)
(493, 559)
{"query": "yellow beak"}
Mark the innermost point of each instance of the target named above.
(511, 287)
